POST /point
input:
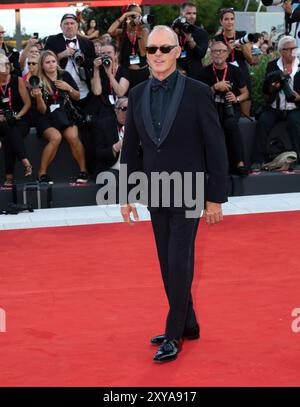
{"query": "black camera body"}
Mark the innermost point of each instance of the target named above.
(79, 118)
(181, 24)
(106, 60)
(280, 77)
(14, 56)
(10, 117)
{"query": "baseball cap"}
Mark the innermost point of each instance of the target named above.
(68, 15)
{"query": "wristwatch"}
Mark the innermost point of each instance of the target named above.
(237, 99)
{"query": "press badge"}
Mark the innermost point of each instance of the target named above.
(111, 99)
(134, 59)
(183, 54)
(5, 100)
(54, 107)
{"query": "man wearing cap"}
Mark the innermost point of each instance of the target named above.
(67, 45)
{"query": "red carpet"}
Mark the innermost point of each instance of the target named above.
(82, 303)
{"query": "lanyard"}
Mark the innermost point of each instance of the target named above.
(182, 42)
(54, 96)
(3, 92)
(224, 75)
(133, 42)
(227, 43)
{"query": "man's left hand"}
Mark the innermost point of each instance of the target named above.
(213, 213)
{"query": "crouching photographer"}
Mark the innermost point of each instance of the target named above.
(14, 126)
(282, 91)
(52, 91)
(229, 89)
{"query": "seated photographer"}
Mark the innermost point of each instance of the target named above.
(240, 54)
(282, 91)
(108, 139)
(55, 120)
(14, 126)
(33, 67)
(229, 89)
(192, 39)
(110, 80)
(131, 36)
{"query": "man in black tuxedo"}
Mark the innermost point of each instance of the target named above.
(175, 120)
(68, 46)
(193, 45)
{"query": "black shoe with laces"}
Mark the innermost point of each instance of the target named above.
(82, 177)
(168, 351)
(45, 178)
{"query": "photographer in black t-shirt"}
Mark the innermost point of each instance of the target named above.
(229, 88)
(192, 39)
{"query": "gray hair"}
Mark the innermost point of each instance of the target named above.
(120, 101)
(285, 40)
(164, 28)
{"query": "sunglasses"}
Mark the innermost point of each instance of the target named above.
(122, 108)
(2, 32)
(32, 63)
(165, 49)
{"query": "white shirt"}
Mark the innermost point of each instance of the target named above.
(73, 71)
(284, 105)
(116, 165)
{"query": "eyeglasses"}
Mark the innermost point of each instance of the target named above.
(2, 32)
(32, 63)
(165, 49)
(289, 49)
(122, 108)
(219, 51)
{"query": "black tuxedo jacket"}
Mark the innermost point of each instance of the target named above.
(191, 140)
(192, 64)
(56, 43)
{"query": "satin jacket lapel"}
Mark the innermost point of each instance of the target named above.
(173, 108)
(146, 113)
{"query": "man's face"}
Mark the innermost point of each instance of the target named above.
(160, 63)
(190, 13)
(289, 52)
(219, 53)
(69, 27)
(4, 65)
(121, 112)
(2, 34)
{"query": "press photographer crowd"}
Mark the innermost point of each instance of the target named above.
(74, 85)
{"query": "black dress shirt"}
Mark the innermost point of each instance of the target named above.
(161, 95)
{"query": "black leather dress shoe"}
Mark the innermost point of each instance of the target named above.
(168, 351)
(189, 333)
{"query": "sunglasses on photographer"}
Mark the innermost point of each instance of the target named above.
(32, 63)
(165, 49)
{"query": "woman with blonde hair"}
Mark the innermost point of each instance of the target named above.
(53, 122)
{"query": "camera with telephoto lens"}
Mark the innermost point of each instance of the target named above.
(245, 40)
(146, 19)
(280, 77)
(79, 118)
(34, 82)
(78, 58)
(106, 60)
(180, 23)
(228, 106)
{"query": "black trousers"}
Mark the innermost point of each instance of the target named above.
(13, 142)
(265, 124)
(175, 237)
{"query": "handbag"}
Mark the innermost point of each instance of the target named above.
(60, 119)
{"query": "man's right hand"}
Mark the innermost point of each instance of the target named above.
(222, 86)
(126, 211)
(69, 52)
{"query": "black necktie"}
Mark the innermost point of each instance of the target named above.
(156, 85)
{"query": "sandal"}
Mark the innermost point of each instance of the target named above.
(27, 170)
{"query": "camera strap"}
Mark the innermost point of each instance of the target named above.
(133, 41)
(227, 43)
(224, 75)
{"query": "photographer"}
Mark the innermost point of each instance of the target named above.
(240, 54)
(229, 89)
(131, 35)
(282, 91)
(31, 50)
(12, 53)
(53, 122)
(110, 81)
(192, 39)
(14, 126)
(75, 55)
